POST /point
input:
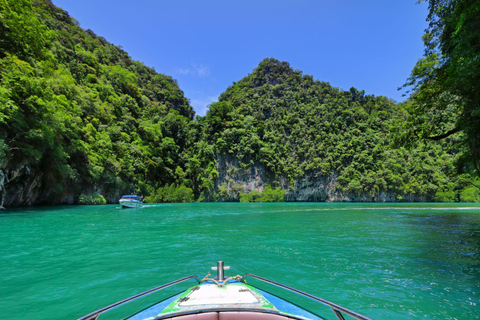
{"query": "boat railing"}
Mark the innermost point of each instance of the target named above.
(337, 309)
(95, 314)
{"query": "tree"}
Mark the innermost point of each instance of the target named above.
(446, 80)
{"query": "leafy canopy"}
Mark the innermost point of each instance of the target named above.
(446, 80)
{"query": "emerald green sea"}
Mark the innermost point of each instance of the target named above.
(386, 261)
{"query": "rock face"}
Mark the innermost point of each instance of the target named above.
(318, 188)
(3, 190)
(23, 187)
(233, 179)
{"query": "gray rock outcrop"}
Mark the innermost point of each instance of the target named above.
(233, 179)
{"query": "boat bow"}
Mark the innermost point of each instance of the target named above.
(226, 298)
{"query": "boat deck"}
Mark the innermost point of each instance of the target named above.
(234, 301)
(228, 298)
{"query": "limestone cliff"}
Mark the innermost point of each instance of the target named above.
(78, 114)
(234, 178)
(279, 127)
(315, 187)
(24, 187)
(3, 190)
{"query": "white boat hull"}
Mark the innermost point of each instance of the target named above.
(131, 204)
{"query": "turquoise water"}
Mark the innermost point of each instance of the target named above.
(387, 261)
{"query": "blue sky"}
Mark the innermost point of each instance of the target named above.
(207, 45)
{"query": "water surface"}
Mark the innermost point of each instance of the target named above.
(387, 261)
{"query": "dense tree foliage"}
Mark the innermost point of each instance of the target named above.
(80, 110)
(267, 195)
(297, 126)
(92, 199)
(79, 116)
(446, 80)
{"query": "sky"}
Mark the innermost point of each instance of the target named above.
(207, 45)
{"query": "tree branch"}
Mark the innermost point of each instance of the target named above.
(442, 136)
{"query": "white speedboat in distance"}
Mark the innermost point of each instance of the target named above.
(228, 298)
(131, 201)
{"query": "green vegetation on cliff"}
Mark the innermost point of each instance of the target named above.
(78, 112)
(79, 116)
(297, 126)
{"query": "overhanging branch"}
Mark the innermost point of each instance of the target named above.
(443, 136)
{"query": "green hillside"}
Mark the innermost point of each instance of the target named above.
(297, 126)
(78, 115)
(79, 119)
